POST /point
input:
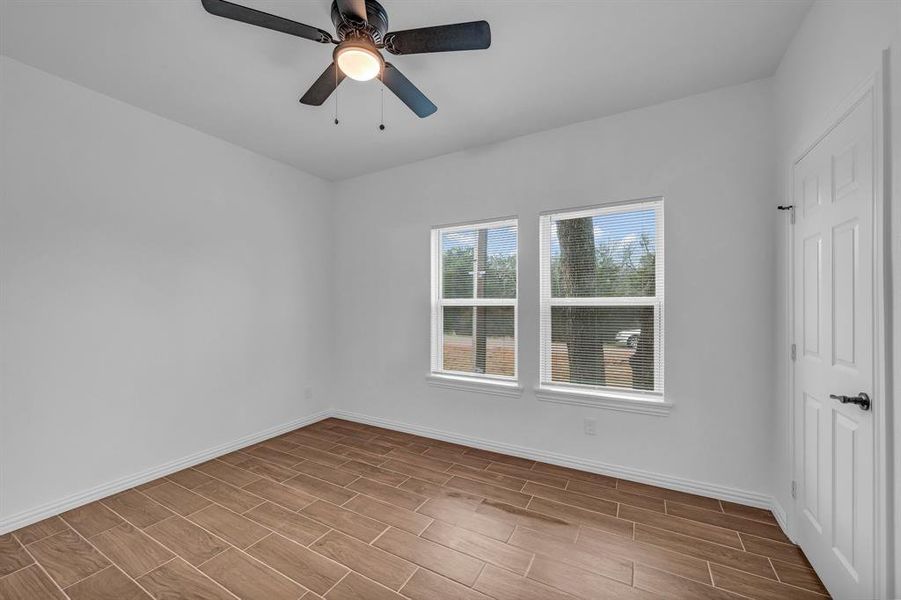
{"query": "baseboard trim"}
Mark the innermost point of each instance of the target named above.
(721, 492)
(56, 507)
(781, 517)
(674, 483)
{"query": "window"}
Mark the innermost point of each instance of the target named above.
(602, 301)
(474, 289)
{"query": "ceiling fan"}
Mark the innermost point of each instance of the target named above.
(362, 30)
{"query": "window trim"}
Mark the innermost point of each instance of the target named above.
(601, 398)
(495, 387)
(651, 402)
(461, 379)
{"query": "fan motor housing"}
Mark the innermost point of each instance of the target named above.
(350, 28)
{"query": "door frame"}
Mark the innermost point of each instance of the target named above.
(877, 85)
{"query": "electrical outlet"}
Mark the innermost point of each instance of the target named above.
(591, 426)
(308, 393)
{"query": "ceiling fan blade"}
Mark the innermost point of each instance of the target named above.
(324, 86)
(355, 9)
(236, 12)
(475, 35)
(409, 94)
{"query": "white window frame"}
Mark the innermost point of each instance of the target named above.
(494, 384)
(651, 402)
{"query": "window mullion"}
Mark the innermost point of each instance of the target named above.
(478, 302)
(606, 301)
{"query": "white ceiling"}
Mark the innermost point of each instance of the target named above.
(551, 63)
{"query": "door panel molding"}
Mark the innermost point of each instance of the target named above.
(845, 267)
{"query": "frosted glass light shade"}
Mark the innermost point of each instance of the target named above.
(359, 63)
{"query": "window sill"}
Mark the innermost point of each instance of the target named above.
(475, 384)
(624, 402)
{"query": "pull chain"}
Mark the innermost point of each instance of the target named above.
(336, 94)
(382, 93)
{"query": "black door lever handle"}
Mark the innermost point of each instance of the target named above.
(861, 400)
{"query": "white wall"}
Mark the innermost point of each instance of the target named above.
(837, 47)
(164, 292)
(710, 156)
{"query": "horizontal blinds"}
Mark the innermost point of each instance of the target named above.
(475, 310)
(479, 263)
(479, 340)
(602, 297)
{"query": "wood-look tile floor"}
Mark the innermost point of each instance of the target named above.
(344, 511)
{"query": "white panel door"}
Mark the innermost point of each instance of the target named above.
(833, 266)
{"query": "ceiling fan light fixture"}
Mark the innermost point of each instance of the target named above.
(362, 31)
(358, 60)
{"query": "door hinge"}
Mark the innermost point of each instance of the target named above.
(794, 489)
(794, 352)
